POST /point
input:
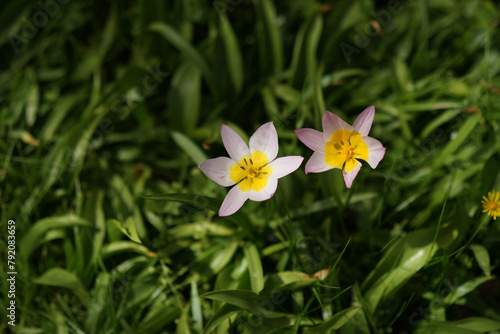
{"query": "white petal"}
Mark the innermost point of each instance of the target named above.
(233, 202)
(333, 123)
(267, 192)
(349, 177)
(311, 138)
(265, 139)
(375, 151)
(285, 165)
(317, 163)
(364, 121)
(233, 143)
(218, 170)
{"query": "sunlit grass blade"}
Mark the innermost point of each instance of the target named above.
(189, 147)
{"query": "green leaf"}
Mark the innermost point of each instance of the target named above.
(456, 142)
(286, 323)
(200, 230)
(465, 289)
(482, 258)
(9, 17)
(118, 247)
(482, 325)
(185, 97)
(432, 127)
(402, 75)
(359, 324)
(62, 278)
(219, 255)
(171, 35)
(189, 147)
(222, 314)
(202, 202)
(304, 59)
(471, 325)
(32, 238)
(289, 280)
(489, 175)
(233, 54)
(254, 267)
(61, 109)
(247, 300)
(128, 228)
(196, 312)
(99, 301)
(159, 315)
(100, 225)
(442, 328)
(183, 324)
(401, 261)
(269, 38)
(32, 103)
(335, 322)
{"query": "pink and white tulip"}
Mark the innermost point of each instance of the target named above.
(253, 170)
(340, 145)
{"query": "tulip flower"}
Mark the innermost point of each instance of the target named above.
(341, 145)
(253, 170)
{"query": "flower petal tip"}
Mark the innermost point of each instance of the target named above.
(363, 122)
(349, 177)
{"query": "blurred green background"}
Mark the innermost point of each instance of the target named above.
(107, 108)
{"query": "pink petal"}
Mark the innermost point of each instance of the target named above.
(311, 138)
(265, 193)
(233, 202)
(265, 139)
(375, 151)
(333, 123)
(317, 164)
(218, 170)
(285, 165)
(364, 121)
(349, 177)
(233, 143)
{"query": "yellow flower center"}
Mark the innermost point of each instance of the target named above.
(491, 204)
(252, 173)
(344, 148)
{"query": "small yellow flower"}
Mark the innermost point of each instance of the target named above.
(492, 204)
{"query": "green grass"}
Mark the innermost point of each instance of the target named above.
(107, 108)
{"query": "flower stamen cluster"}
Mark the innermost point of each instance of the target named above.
(491, 204)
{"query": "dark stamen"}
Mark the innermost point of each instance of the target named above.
(251, 161)
(242, 167)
